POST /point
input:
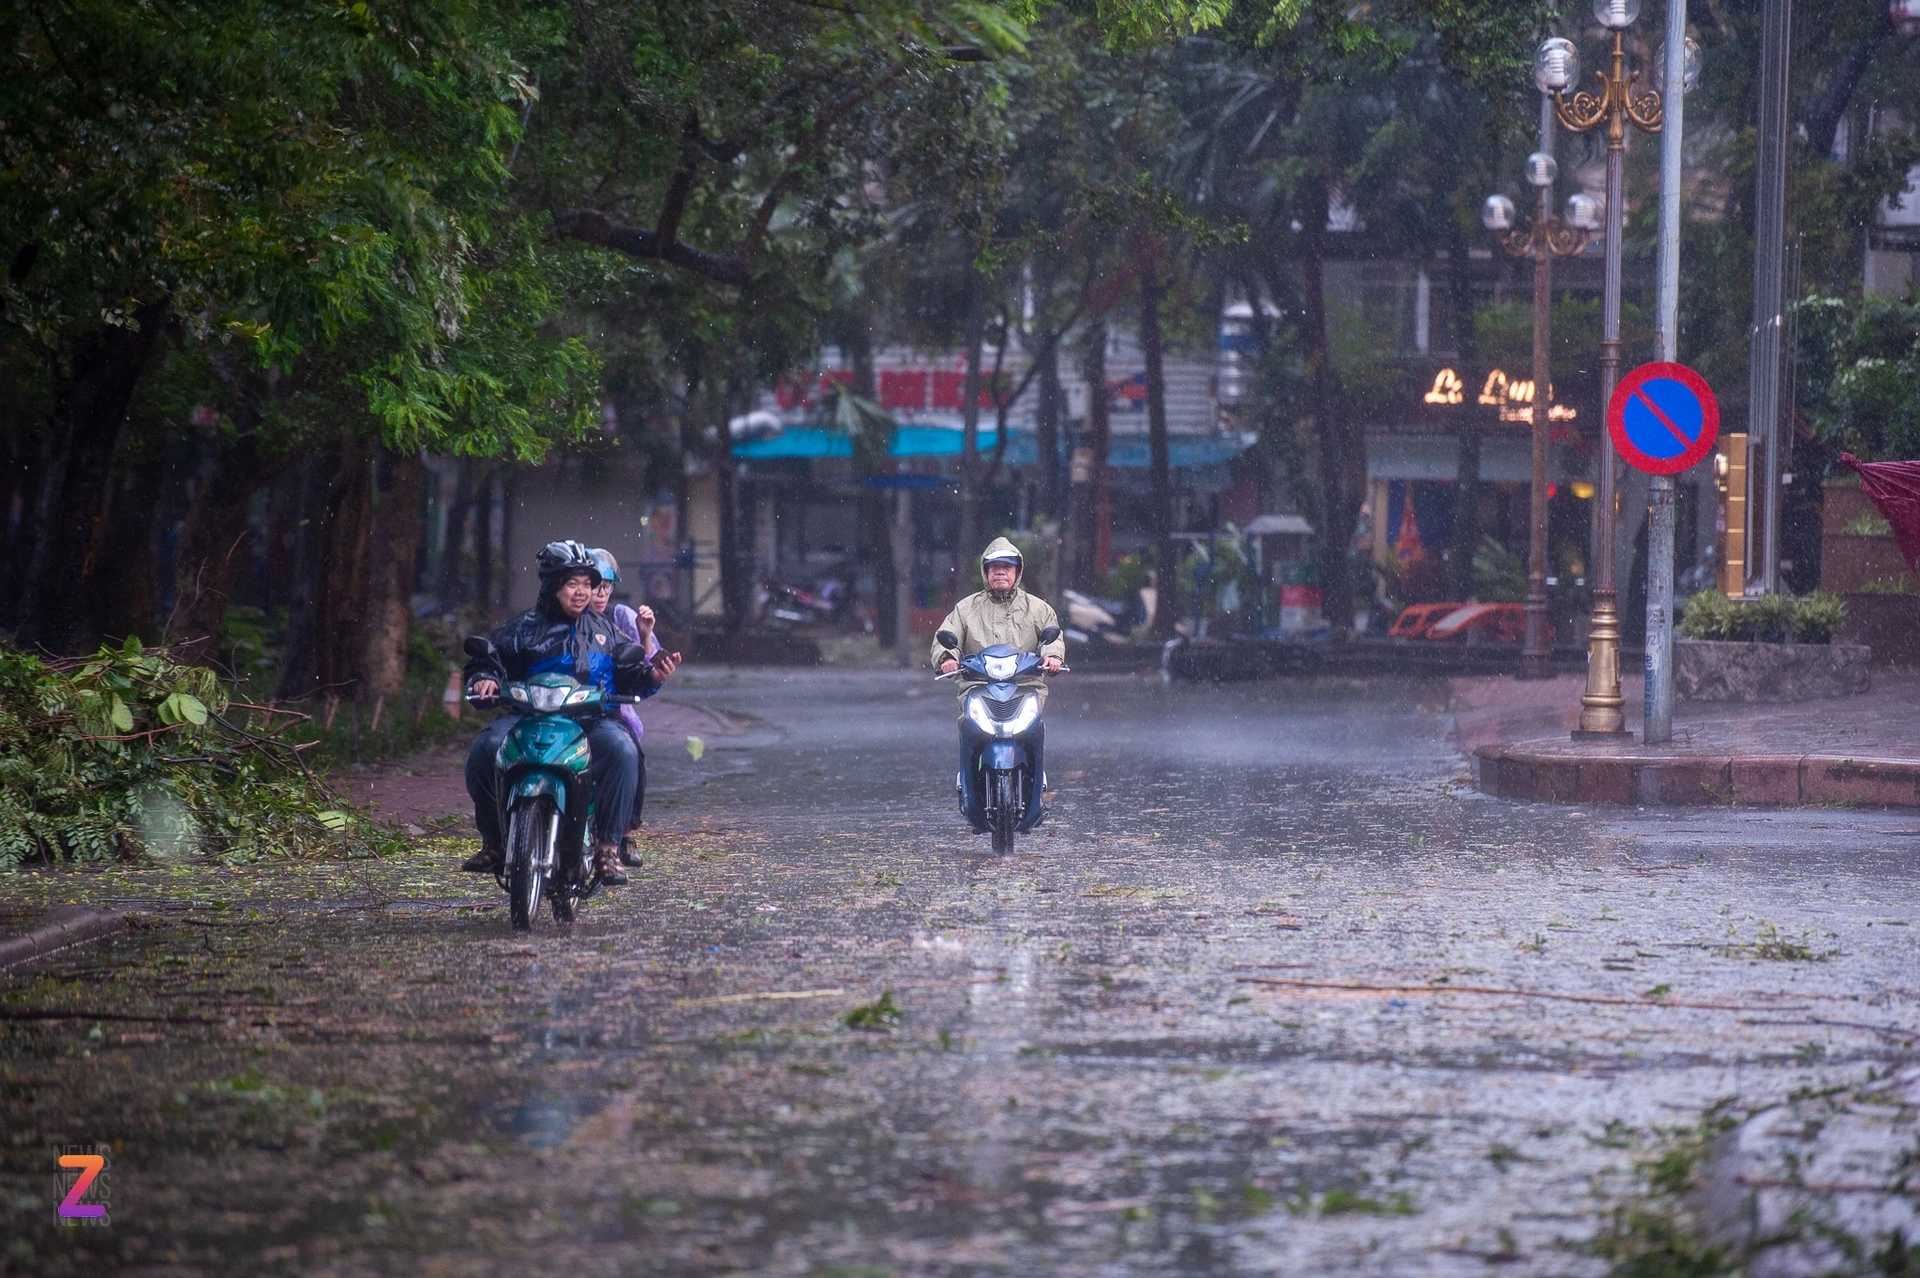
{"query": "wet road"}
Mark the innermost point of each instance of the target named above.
(1273, 991)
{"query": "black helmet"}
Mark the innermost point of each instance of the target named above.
(559, 560)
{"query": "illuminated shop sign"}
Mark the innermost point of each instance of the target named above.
(1512, 396)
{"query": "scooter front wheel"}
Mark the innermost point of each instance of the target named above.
(1002, 803)
(529, 852)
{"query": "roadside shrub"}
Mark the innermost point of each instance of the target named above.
(1811, 618)
(1818, 617)
(130, 751)
(1708, 615)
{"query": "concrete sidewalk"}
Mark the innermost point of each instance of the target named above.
(1847, 750)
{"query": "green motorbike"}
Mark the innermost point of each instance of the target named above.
(546, 798)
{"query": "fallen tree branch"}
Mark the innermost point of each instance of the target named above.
(1889, 1031)
(1610, 999)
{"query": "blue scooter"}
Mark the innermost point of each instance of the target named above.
(546, 798)
(1002, 776)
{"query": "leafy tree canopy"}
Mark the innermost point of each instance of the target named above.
(288, 176)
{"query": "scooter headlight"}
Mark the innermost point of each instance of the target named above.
(1023, 717)
(546, 700)
(1000, 669)
(1026, 710)
(980, 717)
(581, 695)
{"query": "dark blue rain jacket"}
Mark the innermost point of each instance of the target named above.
(542, 640)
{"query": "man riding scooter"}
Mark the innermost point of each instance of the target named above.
(1002, 614)
(559, 634)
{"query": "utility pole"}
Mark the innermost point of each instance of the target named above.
(1769, 244)
(1657, 728)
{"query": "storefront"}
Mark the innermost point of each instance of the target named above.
(1414, 441)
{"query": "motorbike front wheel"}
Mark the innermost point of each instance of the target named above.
(1002, 792)
(529, 851)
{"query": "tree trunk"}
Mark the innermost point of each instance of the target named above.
(1341, 461)
(969, 545)
(393, 556)
(876, 533)
(1166, 558)
(453, 543)
(312, 536)
(343, 598)
(215, 537)
(131, 606)
(23, 476)
(902, 548)
(1465, 538)
(62, 599)
(1046, 431)
(1465, 534)
(734, 603)
(482, 595)
(1098, 540)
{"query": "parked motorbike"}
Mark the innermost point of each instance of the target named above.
(776, 602)
(1089, 619)
(1002, 781)
(546, 799)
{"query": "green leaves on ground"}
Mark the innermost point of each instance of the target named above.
(130, 752)
(880, 1015)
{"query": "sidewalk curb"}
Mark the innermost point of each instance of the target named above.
(66, 925)
(1542, 771)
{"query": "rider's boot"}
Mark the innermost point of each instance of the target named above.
(628, 857)
(488, 860)
(606, 863)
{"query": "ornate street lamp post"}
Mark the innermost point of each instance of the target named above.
(1544, 238)
(1616, 105)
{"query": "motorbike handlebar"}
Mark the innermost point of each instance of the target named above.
(510, 703)
(955, 674)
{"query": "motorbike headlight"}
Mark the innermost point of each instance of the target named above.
(979, 716)
(1001, 668)
(547, 700)
(518, 692)
(1022, 718)
(579, 695)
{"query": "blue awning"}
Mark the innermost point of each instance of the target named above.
(1127, 452)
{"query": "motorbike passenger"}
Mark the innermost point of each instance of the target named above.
(1002, 613)
(560, 634)
(635, 625)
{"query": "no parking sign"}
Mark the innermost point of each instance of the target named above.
(1663, 418)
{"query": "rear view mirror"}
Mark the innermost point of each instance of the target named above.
(948, 639)
(1049, 634)
(478, 646)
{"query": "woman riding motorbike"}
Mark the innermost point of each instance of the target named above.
(635, 626)
(559, 634)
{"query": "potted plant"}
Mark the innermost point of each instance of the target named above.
(1773, 648)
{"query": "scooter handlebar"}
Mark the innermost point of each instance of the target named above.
(954, 674)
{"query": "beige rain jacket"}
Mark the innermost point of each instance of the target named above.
(980, 622)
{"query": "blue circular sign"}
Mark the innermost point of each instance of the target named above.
(1663, 418)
